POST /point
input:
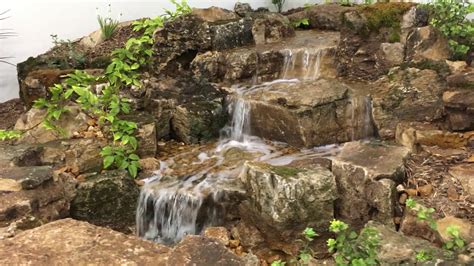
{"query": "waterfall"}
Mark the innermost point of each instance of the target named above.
(304, 64)
(361, 117)
(240, 125)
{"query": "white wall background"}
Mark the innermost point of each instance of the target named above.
(35, 20)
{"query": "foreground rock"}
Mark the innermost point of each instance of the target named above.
(78, 243)
(366, 175)
(288, 197)
(107, 199)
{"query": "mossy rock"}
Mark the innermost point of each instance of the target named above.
(107, 199)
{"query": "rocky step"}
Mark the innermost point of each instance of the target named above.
(309, 113)
(74, 242)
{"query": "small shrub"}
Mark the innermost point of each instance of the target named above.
(108, 26)
(422, 213)
(449, 17)
(301, 23)
(353, 249)
(456, 242)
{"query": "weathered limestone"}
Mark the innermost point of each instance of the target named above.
(283, 197)
(305, 114)
(73, 121)
(366, 176)
(410, 95)
(426, 43)
(271, 28)
(323, 17)
(465, 174)
(19, 178)
(107, 199)
(459, 105)
(214, 14)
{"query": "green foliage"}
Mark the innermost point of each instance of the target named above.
(345, 2)
(9, 134)
(456, 242)
(449, 17)
(422, 213)
(107, 105)
(181, 9)
(278, 263)
(301, 22)
(353, 249)
(279, 4)
(73, 57)
(424, 255)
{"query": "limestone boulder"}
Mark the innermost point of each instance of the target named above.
(391, 54)
(107, 199)
(410, 95)
(465, 227)
(232, 34)
(242, 9)
(366, 176)
(426, 43)
(459, 105)
(185, 109)
(18, 178)
(64, 242)
(307, 114)
(286, 197)
(214, 14)
(323, 17)
(72, 121)
(271, 28)
(398, 249)
(465, 174)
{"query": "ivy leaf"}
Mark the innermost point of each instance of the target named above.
(133, 170)
(108, 161)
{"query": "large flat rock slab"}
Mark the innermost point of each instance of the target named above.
(307, 114)
(71, 242)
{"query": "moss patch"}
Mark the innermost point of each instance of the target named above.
(386, 15)
(285, 171)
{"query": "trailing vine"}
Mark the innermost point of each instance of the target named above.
(106, 105)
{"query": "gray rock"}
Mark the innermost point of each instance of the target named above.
(410, 95)
(391, 54)
(366, 175)
(107, 199)
(232, 34)
(271, 28)
(242, 9)
(284, 197)
(26, 177)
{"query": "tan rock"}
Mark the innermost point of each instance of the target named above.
(412, 226)
(425, 190)
(217, 233)
(466, 229)
(214, 14)
(9, 185)
(426, 43)
(465, 174)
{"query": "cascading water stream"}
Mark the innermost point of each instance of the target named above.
(171, 207)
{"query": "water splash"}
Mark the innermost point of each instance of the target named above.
(361, 117)
(303, 64)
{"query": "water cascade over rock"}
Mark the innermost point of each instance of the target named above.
(303, 107)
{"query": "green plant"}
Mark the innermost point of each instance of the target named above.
(345, 2)
(108, 26)
(279, 4)
(107, 105)
(455, 242)
(422, 213)
(368, 2)
(449, 17)
(424, 255)
(278, 263)
(301, 22)
(9, 134)
(180, 9)
(72, 57)
(353, 249)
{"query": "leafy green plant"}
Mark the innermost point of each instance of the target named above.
(301, 22)
(353, 249)
(107, 105)
(9, 134)
(345, 2)
(73, 57)
(422, 213)
(455, 242)
(108, 25)
(181, 8)
(279, 4)
(278, 263)
(449, 17)
(424, 255)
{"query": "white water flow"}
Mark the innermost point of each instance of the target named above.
(171, 207)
